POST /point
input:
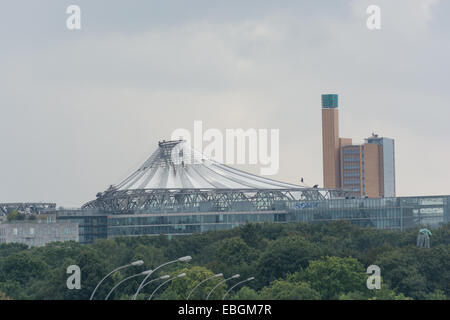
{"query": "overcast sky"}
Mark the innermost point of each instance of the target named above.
(80, 110)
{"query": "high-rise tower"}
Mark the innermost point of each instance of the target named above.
(330, 141)
(387, 164)
(365, 170)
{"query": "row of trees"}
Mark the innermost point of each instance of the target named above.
(288, 261)
(20, 216)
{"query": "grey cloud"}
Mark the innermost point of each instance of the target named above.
(80, 110)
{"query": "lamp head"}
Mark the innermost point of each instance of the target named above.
(185, 259)
(137, 263)
(164, 277)
(236, 276)
(181, 275)
(146, 272)
(218, 275)
(251, 278)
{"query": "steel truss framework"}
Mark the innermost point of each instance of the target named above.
(167, 200)
(27, 207)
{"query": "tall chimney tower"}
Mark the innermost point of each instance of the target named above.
(330, 141)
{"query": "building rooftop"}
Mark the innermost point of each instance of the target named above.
(175, 165)
(329, 101)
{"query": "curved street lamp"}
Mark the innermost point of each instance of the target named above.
(178, 276)
(133, 264)
(128, 278)
(182, 259)
(249, 279)
(232, 277)
(203, 281)
(160, 278)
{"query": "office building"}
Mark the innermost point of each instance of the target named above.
(366, 170)
(36, 233)
(387, 161)
(400, 213)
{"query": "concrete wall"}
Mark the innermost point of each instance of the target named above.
(37, 233)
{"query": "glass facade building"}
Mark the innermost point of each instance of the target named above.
(92, 224)
(398, 213)
(185, 223)
(382, 213)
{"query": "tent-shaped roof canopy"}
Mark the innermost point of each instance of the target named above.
(175, 165)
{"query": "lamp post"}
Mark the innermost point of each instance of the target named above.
(203, 281)
(232, 277)
(249, 279)
(178, 276)
(133, 264)
(128, 278)
(160, 278)
(182, 259)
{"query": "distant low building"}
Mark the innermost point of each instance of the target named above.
(396, 213)
(38, 232)
(26, 207)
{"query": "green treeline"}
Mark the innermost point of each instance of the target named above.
(288, 261)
